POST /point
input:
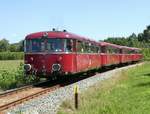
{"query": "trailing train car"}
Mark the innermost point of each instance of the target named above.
(136, 54)
(109, 54)
(57, 53)
(126, 54)
(130, 54)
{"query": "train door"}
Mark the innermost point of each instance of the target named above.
(103, 55)
(82, 58)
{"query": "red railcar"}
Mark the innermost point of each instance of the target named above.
(52, 53)
(136, 54)
(126, 54)
(130, 54)
(109, 54)
(55, 52)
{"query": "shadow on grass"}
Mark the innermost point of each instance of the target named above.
(142, 84)
(148, 74)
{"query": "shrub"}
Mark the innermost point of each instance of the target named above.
(9, 80)
(146, 53)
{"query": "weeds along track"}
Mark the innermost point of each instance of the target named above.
(14, 97)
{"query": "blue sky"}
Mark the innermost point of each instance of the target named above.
(96, 19)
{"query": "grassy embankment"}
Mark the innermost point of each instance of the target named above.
(12, 74)
(125, 93)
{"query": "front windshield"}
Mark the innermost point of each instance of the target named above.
(32, 45)
(55, 45)
(49, 45)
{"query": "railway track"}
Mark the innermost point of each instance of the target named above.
(13, 91)
(10, 92)
(17, 96)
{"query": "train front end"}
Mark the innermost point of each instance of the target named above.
(49, 54)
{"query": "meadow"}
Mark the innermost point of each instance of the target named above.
(126, 93)
(10, 65)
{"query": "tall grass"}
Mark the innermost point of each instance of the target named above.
(126, 93)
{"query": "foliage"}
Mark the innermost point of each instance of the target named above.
(141, 40)
(9, 80)
(6, 46)
(127, 93)
(11, 55)
(146, 53)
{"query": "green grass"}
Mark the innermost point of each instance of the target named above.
(10, 65)
(125, 93)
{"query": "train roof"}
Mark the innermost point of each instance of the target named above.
(125, 47)
(109, 44)
(133, 48)
(68, 35)
(118, 46)
(59, 34)
(129, 48)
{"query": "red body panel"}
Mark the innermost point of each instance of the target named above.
(95, 61)
(125, 58)
(104, 59)
(70, 63)
(40, 61)
(88, 61)
(110, 59)
(136, 57)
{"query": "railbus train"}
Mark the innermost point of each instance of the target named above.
(59, 53)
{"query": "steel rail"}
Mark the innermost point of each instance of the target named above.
(19, 101)
(13, 91)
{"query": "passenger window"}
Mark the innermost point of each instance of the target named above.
(87, 49)
(97, 49)
(69, 45)
(92, 48)
(79, 46)
(104, 49)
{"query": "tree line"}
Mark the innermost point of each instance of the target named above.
(142, 40)
(11, 51)
(5, 46)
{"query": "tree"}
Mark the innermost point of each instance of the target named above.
(140, 37)
(13, 48)
(4, 45)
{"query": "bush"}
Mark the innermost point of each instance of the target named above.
(9, 80)
(11, 55)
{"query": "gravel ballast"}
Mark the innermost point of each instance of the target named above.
(49, 103)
